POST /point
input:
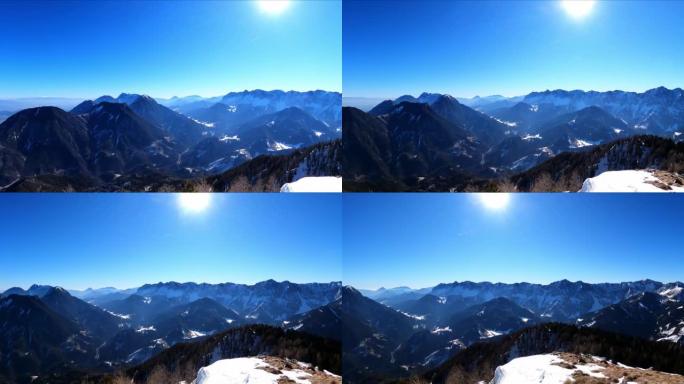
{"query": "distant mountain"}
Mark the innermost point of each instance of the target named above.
(559, 301)
(48, 140)
(647, 315)
(233, 108)
(165, 325)
(60, 338)
(267, 302)
(483, 127)
(478, 101)
(131, 141)
(410, 145)
(198, 318)
(527, 118)
(95, 321)
(573, 131)
(507, 136)
(182, 128)
(139, 310)
(490, 319)
(656, 111)
(485, 321)
(325, 321)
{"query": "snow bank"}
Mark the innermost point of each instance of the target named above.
(258, 370)
(314, 184)
(537, 369)
(624, 181)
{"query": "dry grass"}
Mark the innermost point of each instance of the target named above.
(614, 373)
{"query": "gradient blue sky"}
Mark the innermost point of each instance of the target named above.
(166, 48)
(125, 240)
(467, 48)
(420, 240)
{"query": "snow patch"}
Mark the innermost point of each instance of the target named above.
(314, 184)
(624, 181)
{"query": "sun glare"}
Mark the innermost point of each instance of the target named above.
(494, 201)
(194, 202)
(273, 7)
(578, 9)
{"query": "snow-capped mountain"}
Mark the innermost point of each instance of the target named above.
(656, 111)
(559, 301)
(507, 137)
(225, 111)
(46, 321)
(132, 142)
(649, 315)
(267, 302)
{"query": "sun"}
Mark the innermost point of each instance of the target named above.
(273, 7)
(578, 9)
(494, 201)
(194, 203)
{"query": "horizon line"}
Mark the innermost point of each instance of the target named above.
(508, 95)
(517, 282)
(2, 290)
(13, 98)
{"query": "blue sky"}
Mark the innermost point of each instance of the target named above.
(124, 240)
(467, 48)
(166, 48)
(420, 240)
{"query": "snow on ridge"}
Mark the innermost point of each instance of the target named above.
(151, 328)
(489, 333)
(625, 181)
(206, 124)
(226, 138)
(275, 146)
(262, 370)
(561, 368)
(125, 317)
(529, 137)
(191, 334)
(314, 184)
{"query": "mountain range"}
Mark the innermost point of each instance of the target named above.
(408, 332)
(434, 142)
(132, 142)
(49, 332)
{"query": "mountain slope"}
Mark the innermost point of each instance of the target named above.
(568, 171)
(647, 315)
(325, 321)
(49, 140)
(94, 321)
(408, 146)
(36, 340)
(478, 362)
(246, 341)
